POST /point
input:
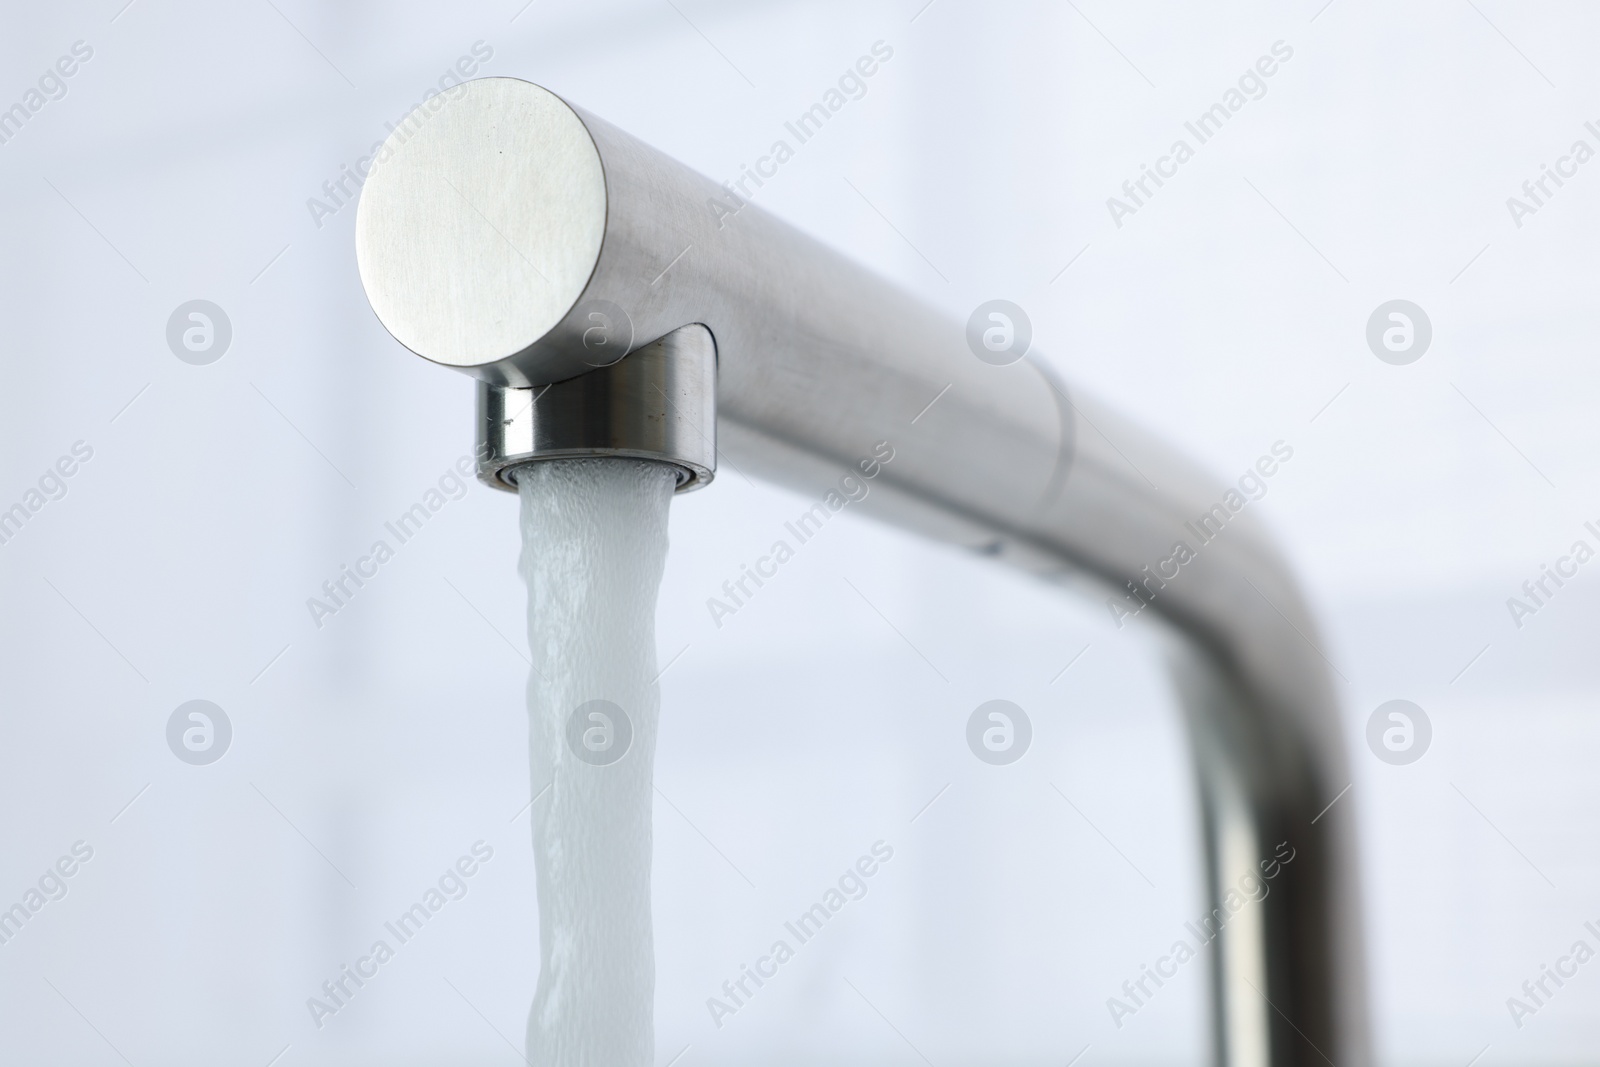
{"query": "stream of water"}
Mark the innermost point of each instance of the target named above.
(594, 542)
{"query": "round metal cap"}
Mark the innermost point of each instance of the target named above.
(481, 222)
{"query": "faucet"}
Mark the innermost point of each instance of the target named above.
(612, 301)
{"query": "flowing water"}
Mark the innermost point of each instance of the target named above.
(594, 542)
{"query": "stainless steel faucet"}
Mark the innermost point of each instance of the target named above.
(611, 301)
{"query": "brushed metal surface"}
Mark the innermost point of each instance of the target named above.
(819, 359)
(481, 222)
(658, 404)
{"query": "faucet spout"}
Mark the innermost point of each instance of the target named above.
(613, 302)
(657, 403)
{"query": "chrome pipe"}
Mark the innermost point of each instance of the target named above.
(500, 220)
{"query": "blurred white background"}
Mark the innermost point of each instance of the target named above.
(368, 754)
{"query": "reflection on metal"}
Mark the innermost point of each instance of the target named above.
(491, 239)
(658, 404)
(1235, 851)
